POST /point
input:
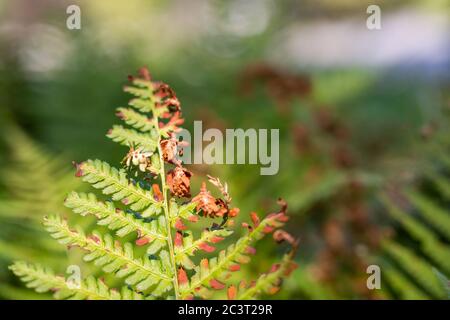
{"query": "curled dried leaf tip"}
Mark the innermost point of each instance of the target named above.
(144, 73)
(157, 194)
(182, 277)
(281, 235)
(209, 205)
(173, 124)
(231, 292)
(171, 147)
(78, 168)
(283, 205)
(179, 181)
(166, 97)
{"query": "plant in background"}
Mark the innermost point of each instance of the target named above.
(32, 185)
(151, 205)
(420, 271)
(332, 184)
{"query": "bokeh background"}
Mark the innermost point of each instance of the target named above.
(363, 118)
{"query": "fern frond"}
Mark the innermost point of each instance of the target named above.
(36, 180)
(441, 183)
(431, 212)
(129, 137)
(415, 267)
(187, 246)
(142, 105)
(144, 92)
(145, 100)
(116, 219)
(115, 183)
(444, 281)
(212, 271)
(431, 245)
(156, 215)
(402, 286)
(113, 258)
(135, 119)
(43, 279)
(185, 211)
(269, 282)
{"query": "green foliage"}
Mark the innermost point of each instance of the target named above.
(35, 179)
(416, 268)
(431, 212)
(34, 183)
(115, 258)
(135, 205)
(268, 282)
(189, 246)
(43, 279)
(209, 272)
(402, 285)
(426, 220)
(130, 137)
(114, 218)
(115, 183)
(429, 241)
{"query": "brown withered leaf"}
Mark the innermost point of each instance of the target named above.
(281, 235)
(205, 201)
(179, 181)
(210, 206)
(169, 149)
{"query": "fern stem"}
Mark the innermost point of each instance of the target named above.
(164, 188)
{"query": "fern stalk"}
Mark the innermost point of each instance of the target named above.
(162, 174)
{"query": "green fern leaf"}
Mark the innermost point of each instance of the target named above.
(433, 214)
(144, 92)
(141, 105)
(415, 267)
(112, 257)
(136, 119)
(217, 268)
(431, 245)
(116, 219)
(402, 286)
(187, 246)
(441, 182)
(129, 137)
(43, 279)
(115, 183)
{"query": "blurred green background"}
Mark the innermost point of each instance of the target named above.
(363, 118)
